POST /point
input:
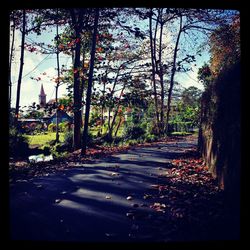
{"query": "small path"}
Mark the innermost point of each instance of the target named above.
(107, 200)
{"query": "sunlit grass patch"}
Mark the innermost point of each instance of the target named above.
(42, 139)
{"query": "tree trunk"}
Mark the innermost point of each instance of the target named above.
(76, 90)
(153, 69)
(118, 126)
(90, 81)
(10, 62)
(58, 82)
(20, 71)
(116, 113)
(172, 75)
(160, 73)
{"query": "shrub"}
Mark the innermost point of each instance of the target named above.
(63, 126)
(68, 139)
(150, 138)
(151, 128)
(59, 150)
(134, 132)
(18, 144)
(132, 142)
(38, 128)
(52, 127)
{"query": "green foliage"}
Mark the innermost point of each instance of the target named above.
(179, 126)
(59, 150)
(34, 114)
(52, 127)
(18, 145)
(150, 138)
(132, 142)
(94, 118)
(191, 96)
(205, 75)
(68, 139)
(38, 128)
(63, 126)
(134, 132)
(186, 113)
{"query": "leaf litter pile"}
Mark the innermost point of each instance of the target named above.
(186, 205)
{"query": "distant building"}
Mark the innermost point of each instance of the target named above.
(42, 97)
(62, 115)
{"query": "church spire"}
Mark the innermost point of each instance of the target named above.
(42, 91)
(42, 97)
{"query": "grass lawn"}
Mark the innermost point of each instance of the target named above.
(43, 139)
(94, 131)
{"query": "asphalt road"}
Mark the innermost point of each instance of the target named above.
(99, 202)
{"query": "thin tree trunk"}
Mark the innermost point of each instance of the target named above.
(20, 71)
(118, 126)
(82, 85)
(10, 62)
(110, 128)
(90, 81)
(153, 70)
(172, 75)
(116, 112)
(161, 74)
(103, 103)
(58, 82)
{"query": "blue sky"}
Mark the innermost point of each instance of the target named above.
(36, 64)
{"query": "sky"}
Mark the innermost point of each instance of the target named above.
(44, 66)
(36, 65)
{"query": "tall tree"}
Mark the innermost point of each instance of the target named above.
(77, 21)
(153, 51)
(173, 73)
(13, 27)
(90, 81)
(58, 80)
(20, 69)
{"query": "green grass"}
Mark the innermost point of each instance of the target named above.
(181, 133)
(43, 139)
(94, 131)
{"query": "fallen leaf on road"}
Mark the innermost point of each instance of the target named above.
(57, 200)
(129, 198)
(147, 196)
(114, 174)
(108, 197)
(158, 207)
